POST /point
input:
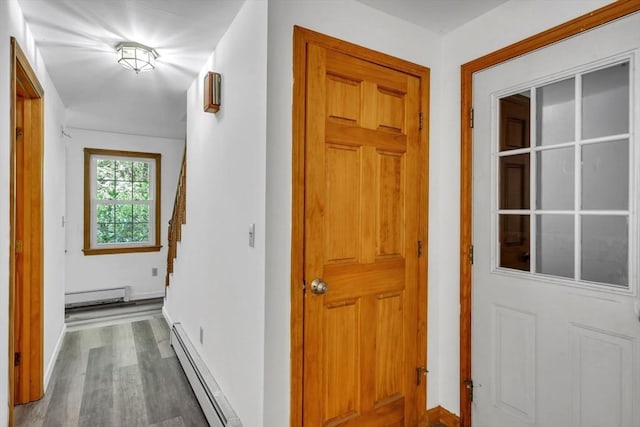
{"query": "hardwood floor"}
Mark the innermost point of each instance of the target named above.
(119, 375)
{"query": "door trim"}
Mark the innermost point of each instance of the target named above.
(22, 74)
(571, 28)
(301, 38)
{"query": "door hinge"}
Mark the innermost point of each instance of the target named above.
(471, 254)
(420, 120)
(16, 359)
(471, 118)
(419, 248)
(18, 247)
(420, 371)
(469, 385)
(19, 132)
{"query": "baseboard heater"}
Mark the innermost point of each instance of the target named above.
(95, 297)
(213, 403)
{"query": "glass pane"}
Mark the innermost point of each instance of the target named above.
(124, 170)
(555, 179)
(124, 190)
(605, 102)
(556, 113)
(140, 232)
(104, 169)
(555, 245)
(515, 111)
(605, 249)
(124, 213)
(141, 171)
(140, 191)
(106, 233)
(141, 213)
(514, 242)
(105, 213)
(605, 175)
(514, 182)
(124, 233)
(105, 190)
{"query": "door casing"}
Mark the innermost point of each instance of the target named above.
(26, 208)
(301, 38)
(571, 28)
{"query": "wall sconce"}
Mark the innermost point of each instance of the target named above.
(212, 92)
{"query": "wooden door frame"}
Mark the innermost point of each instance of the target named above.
(301, 38)
(561, 32)
(32, 248)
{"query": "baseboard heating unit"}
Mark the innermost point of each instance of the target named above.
(95, 297)
(213, 403)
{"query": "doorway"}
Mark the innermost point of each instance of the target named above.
(359, 236)
(26, 233)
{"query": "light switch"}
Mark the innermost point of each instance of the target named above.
(252, 235)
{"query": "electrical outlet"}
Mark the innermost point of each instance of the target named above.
(201, 335)
(154, 271)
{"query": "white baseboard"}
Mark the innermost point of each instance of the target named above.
(167, 316)
(146, 295)
(54, 357)
(213, 402)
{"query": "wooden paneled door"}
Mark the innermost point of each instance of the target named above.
(26, 244)
(365, 150)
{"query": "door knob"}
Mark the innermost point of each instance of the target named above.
(318, 286)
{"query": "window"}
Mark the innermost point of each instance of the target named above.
(121, 202)
(565, 205)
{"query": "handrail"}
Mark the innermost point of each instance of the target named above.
(178, 218)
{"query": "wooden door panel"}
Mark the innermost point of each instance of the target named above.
(389, 356)
(361, 229)
(342, 203)
(391, 110)
(341, 359)
(390, 206)
(343, 100)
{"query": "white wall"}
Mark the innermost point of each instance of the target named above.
(12, 24)
(218, 282)
(109, 271)
(504, 25)
(357, 23)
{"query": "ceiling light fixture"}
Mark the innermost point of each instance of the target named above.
(136, 56)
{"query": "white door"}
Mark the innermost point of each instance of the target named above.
(555, 329)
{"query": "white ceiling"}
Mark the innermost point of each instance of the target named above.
(440, 16)
(77, 39)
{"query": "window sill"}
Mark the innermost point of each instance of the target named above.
(121, 250)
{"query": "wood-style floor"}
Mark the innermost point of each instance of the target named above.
(120, 375)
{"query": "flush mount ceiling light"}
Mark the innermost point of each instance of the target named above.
(136, 56)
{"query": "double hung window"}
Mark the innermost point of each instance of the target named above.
(122, 202)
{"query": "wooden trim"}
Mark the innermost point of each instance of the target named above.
(571, 28)
(127, 250)
(297, 226)
(12, 250)
(26, 298)
(440, 415)
(423, 227)
(157, 158)
(301, 39)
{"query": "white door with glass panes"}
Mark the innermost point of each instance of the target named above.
(555, 328)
